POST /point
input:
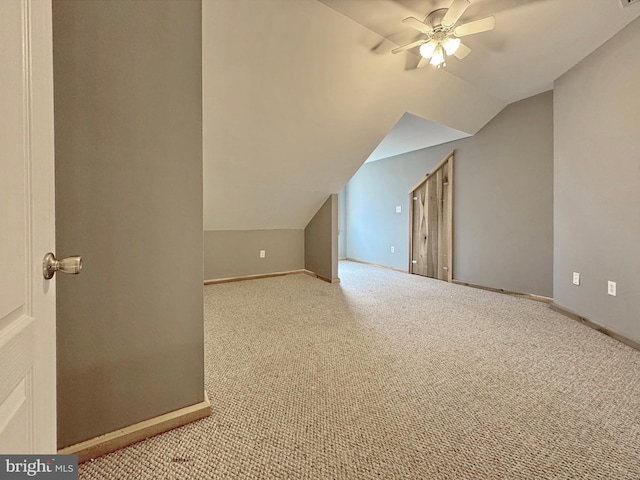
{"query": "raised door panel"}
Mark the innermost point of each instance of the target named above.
(27, 301)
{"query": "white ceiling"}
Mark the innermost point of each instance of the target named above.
(297, 94)
(534, 41)
(413, 133)
(294, 101)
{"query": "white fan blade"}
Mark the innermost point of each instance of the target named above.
(410, 45)
(478, 26)
(423, 62)
(462, 51)
(417, 24)
(454, 13)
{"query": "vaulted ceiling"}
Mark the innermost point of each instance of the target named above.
(297, 93)
(533, 43)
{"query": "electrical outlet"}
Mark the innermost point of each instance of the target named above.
(263, 254)
(576, 278)
(398, 209)
(393, 249)
(611, 288)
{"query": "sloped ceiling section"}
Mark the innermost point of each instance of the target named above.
(413, 133)
(295, 98)
(534, 41)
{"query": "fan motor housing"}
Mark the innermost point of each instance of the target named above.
(434, 19)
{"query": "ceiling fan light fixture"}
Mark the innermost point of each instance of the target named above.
(438, 57)
(440, 31)
(451, 45)
(427, 49)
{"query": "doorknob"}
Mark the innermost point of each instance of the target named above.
(50, 265)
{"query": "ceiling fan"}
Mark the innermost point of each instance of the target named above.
(442, 36)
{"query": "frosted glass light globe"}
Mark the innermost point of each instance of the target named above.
(427, 49)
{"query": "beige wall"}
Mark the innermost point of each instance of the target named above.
(235, 253)
(128, 142)
(321, 240)
(597, 184)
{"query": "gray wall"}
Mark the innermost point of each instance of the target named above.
(503, 202)
(128, 123)
(597, 184)
(236, 253)
(321, 240)
(373, 225)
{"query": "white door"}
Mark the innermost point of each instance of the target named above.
(27, 300)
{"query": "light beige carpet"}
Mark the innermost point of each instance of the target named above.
(390, 376)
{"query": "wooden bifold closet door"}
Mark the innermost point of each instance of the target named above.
(431, 235)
